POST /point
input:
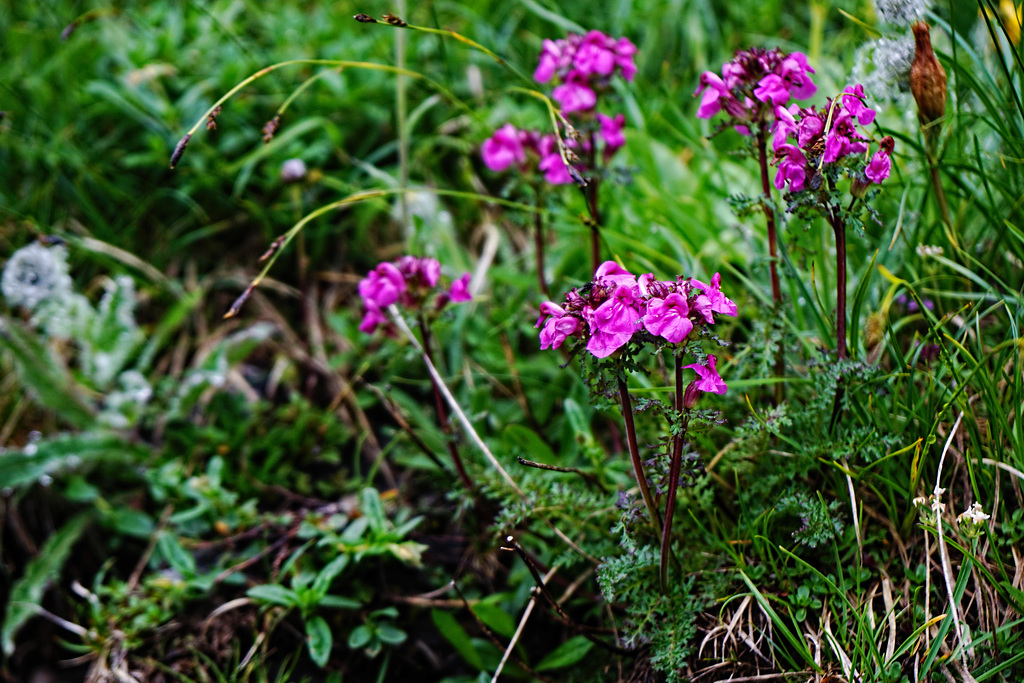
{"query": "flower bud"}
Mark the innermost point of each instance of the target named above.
(927, 77)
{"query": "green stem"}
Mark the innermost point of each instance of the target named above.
(634, 455)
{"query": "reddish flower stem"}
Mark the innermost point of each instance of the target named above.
(442, 413)
(538, 248)
(769, 215)
(634, 455)
(839, 228)
(590, 194)
(673, 483)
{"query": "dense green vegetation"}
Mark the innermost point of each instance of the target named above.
(279, 495)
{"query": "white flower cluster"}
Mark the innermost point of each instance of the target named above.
(901, 12)
(34, 275)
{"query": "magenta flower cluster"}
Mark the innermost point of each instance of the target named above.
(409, 282)
(522, 148)
(584, 66)
(797, 163)
(617, 306)
(753, 84)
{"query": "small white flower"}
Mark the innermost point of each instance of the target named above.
(975, 513)
(293, 170)
(972, 521)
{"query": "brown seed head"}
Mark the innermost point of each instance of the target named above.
(365, 18)
(393, 20)
(179, 149)
(927, 77)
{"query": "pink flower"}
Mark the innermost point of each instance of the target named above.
(594, 55)
(382, 286)
(551, 162)
(503, 149)
(575, 94)
(772, 90)
(668, 318)
(557, 330)
(459, 290)
(611, 132)
(612, 272)
(794, 70)
(808, 129)
(618, 314)
(708, 379)
(715, 93)
(552, 57)
(792, 168)
(880, 165)
(785, 125)
(372, 318)
(549, 308)
(720, 303)
(854, 103)
(624, 50)
(430, 271)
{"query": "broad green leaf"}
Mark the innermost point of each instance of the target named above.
(532, 445)
(319, 640)
(496, 619)
(360, 636)
(129, 522)
(64, 452)
(274, 594)
(391, 634)
(453, 632)
(27, 592)
(373, 509)
(569, 652)
(338, 602)
(171, 550)
(323, 580)
(44, 374)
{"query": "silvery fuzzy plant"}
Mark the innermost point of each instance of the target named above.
(89, 363)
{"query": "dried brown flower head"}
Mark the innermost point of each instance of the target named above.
(927, 77)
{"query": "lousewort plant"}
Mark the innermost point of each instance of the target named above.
(615, 317)
(415, 284)
(582, 67)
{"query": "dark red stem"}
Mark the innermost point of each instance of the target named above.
(769, 215)
(634, 455)
(839, 227)
(538, 247)
(673, 482)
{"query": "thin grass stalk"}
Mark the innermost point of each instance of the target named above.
(442, 414)
(634, 455)
(400, 323)
(673, 483)
(401, 113)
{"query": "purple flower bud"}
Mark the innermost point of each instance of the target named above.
(708, 379)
